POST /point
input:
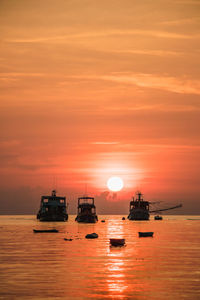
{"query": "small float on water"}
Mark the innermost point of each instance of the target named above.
(52, 208)
(145, 234)
(91, 236)
(117, 242)
(86, 211)
(158, 217)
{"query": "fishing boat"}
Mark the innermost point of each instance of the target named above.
(139, 209)
(86, 210)
(52, 208)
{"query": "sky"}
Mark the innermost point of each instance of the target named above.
(92, 89)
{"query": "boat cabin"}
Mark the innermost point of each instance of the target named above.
(86, 210)
(139, 203)
(139, 209)
(52, 208)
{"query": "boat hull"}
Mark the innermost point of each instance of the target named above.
(52, 218)
(139, 215)
(117, 242)
(86, 219)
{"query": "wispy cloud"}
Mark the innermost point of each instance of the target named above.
(156, 107)
(104, 143)
(96, 34)
(172, 84)
(161, 53)
(17, 74)
(189, 2)
(184, 21)
(181, 85)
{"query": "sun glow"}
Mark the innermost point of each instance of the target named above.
(115, 184)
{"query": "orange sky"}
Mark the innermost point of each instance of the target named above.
(91, 89)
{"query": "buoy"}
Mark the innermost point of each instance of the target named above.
(91, 235)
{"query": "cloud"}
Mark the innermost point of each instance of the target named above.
(185, 21)
(172, 84)
(96, 34)
(161, 53)
(180, 85)
(105, 143)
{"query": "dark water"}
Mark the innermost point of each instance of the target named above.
(44, 266)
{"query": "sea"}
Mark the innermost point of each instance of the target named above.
(45, 266)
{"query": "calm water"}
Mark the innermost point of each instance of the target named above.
(44, 266)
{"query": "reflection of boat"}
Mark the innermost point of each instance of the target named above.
(86, 210)
(139, 209)
(52, 208)
(158, 217)
(44, 230)
(117, 242)
(145, 234)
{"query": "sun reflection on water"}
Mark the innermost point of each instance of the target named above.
(115, 267)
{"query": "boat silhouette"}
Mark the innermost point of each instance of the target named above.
(86, 210)
(140, 209)
(52, 208)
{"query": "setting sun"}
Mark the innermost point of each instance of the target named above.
(115, 184)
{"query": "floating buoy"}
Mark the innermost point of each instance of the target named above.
(123, 218)
(91, 235)
(103, 221)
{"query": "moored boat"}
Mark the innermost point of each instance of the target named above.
(117, 242)
(139, 209)
(86, 210)
(45, 230)
(52, 208)
(145, 234)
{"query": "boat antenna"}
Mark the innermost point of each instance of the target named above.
(85, 189)
(54, 182)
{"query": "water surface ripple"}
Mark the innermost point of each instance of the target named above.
(45, 266)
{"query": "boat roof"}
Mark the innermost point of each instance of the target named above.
(86, 205)
(86, 198)
(53, 198)
(84, 202)
(141, 200)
